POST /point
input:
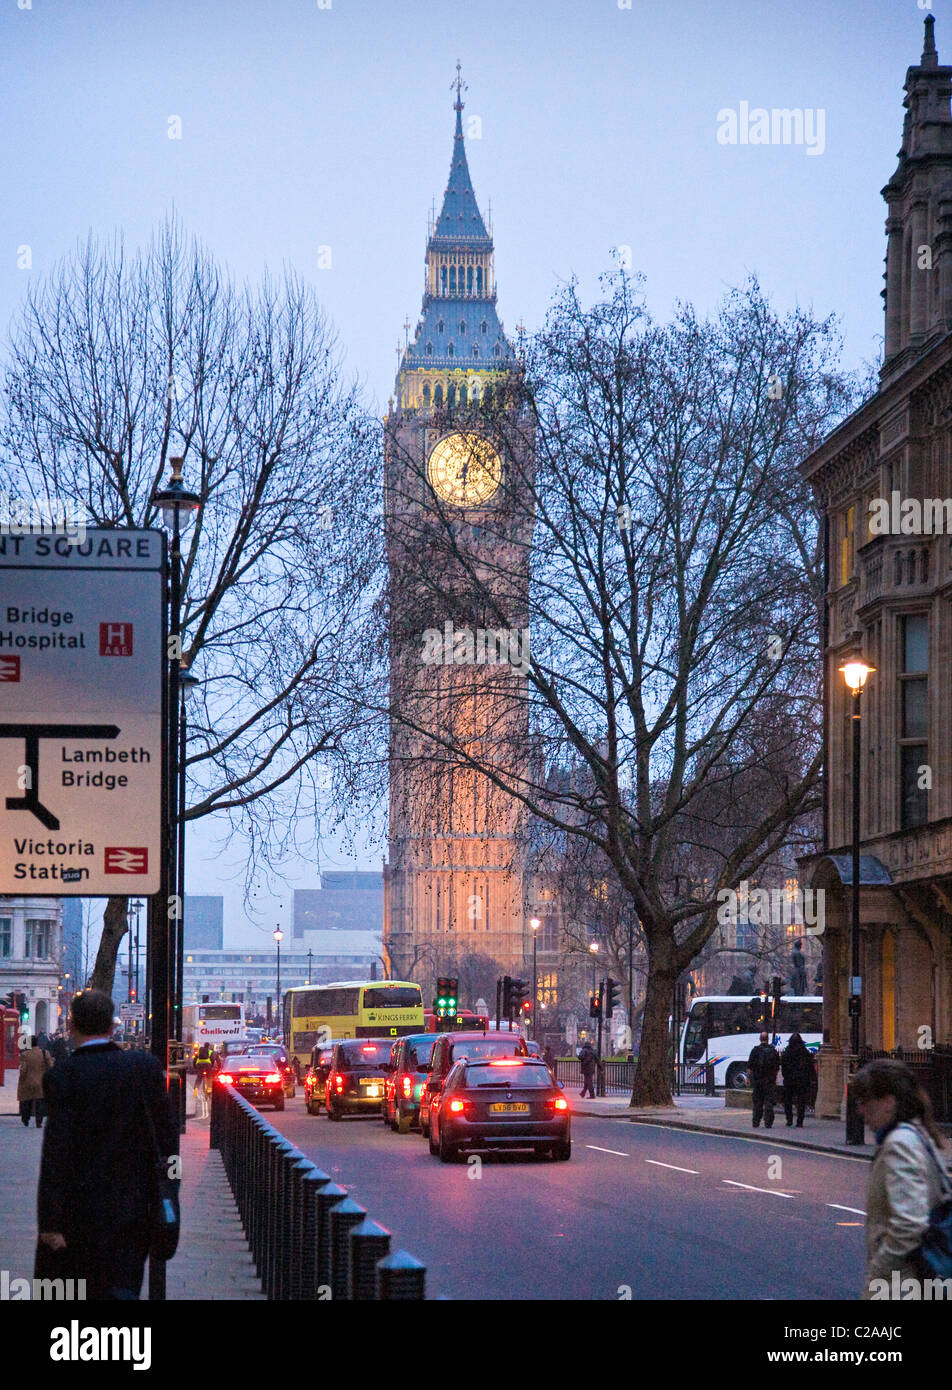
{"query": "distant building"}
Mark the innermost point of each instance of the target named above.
(73, 963)
(250, 977)
(345, 902)
(30, 952)
(204, 922)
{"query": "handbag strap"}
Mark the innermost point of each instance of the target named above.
(945, 1182)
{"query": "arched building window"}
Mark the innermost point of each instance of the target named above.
(443, 279)
(439, 326)
(462, 395)
(451, 395)
(462, 325)
(452, 279)
(429, 349)
(438, 395)
(484, 327)
(450, 350)
(426, 394)
(479, 283)
(469, 279)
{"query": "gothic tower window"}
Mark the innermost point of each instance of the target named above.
(914, 718)
(484, 327)
(462, 395)
(443, 279)
(479, 283)
(450, 350)
(451, 394)
(497, 351)
(439, 326)
(469, 279)
(462, 325)
(426, 393)
(429, 349)
(452, 279)
(438, 395)
(475, 349)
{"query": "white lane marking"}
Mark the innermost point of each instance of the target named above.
(769, 1191)
(742, 1138)
(674, 1166)
(607, 1151)
(855, 1210)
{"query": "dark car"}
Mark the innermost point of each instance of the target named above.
(500, 1103)
(315, 1078)
(357, 1076)
(256, 1078)
(450, 1047)
(285, 1066)
(409, 1069)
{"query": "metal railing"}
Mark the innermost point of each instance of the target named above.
(694, 1078)
(613, 1078)
(308, 1239)
(932, 1068)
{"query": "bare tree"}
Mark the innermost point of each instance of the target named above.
(120, 360)
(675, 581)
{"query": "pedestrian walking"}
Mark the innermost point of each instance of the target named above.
(548, 1056)
(796, 1064)
(108, 1125)
(588, 1063)
(764, 1063)
(58, 1049)
(33, 1064)
(907, 1178)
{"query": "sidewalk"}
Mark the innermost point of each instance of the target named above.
(710, 1115)
(213, 1260)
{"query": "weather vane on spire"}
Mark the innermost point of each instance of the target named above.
(460, 86)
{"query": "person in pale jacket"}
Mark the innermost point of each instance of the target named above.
(905, 1181)
(33, 1063)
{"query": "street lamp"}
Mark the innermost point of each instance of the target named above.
(309, 955)
(278, 935)
(535, 924)
(173, 500)
(856, 672)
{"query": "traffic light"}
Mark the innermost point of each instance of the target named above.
(506, 996)
(447, 991)
(520, 994)
(611, 998)
(21, 1006)
(595, 1004)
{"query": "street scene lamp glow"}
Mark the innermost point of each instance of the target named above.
(856, 671)
(278, 934)
(535, 923)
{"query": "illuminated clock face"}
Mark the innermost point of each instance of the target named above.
(464, 469)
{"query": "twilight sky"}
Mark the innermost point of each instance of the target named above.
(310, 124)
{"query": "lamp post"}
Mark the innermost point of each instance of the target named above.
(174, 499)
(535, 924)
(309, 954)
(855, 673)
(278, 935)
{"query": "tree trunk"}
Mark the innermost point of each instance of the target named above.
(115, 925)
(652, 1070)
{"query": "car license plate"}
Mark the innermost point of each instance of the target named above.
(515, 1108)
(372, 1090)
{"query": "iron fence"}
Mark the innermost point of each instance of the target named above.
(932, 1068)
(614, 1077)
(309, 1241)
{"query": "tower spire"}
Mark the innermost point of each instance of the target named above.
(930, 57)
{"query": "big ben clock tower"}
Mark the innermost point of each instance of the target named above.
(457, 541)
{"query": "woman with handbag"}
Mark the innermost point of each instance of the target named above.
(909, 1187)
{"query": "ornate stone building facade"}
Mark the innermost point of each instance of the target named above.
(454, 881)
(883, 481)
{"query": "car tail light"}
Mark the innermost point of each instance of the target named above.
(558, 1103)
(338, 1082)
(407, 1084)
(506, 1062)
(225, 1079)
(457, 1106)
(273, 1076)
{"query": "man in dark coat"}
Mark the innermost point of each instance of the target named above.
(797, 1067)
(764, 1063)
(588, 1063)
(97, 1174)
